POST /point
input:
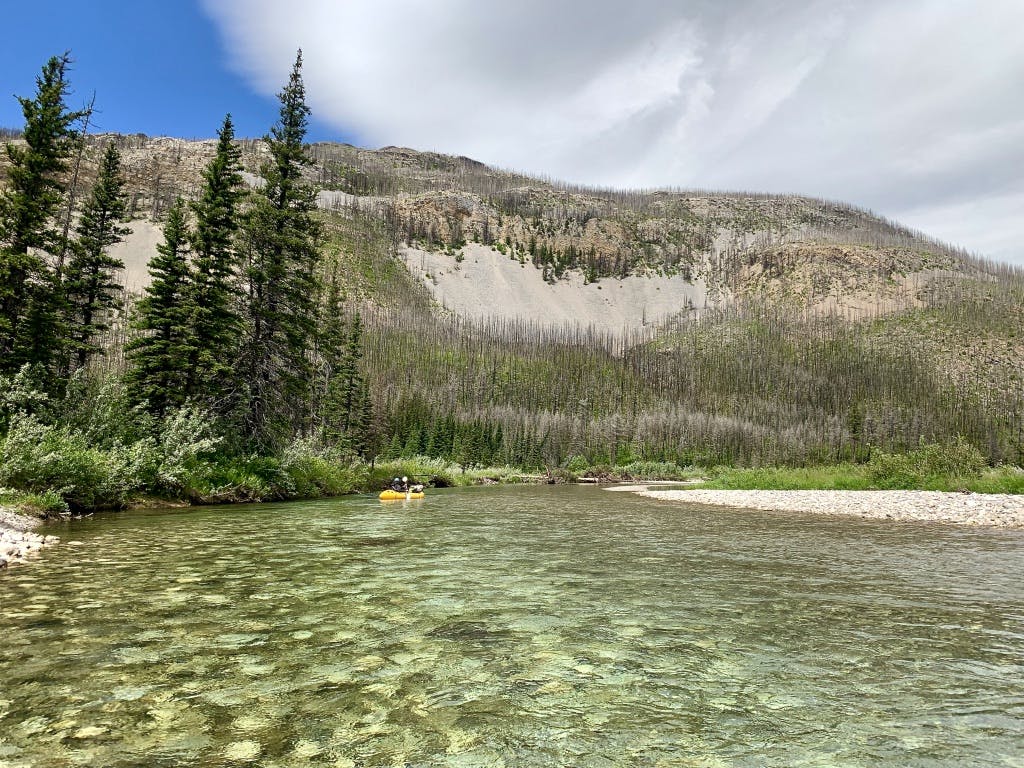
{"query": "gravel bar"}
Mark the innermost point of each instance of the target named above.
(993, 510)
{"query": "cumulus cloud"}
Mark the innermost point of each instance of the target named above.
(911, 109)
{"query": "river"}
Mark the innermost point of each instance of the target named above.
(514, 626)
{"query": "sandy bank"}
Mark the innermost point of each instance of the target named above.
(17, 541)
(996, 510)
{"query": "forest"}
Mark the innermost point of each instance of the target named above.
(267, 356)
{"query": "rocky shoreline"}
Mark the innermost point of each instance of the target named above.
(18, 543)
(973, 509)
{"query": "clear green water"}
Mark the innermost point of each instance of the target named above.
(515, 627)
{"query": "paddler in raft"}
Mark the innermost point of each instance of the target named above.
(402, 485)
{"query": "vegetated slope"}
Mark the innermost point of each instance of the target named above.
(789, 330)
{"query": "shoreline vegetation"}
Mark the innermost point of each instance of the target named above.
(50, 473)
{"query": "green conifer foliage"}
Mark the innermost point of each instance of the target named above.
(214, 323)
(30, 299)
(347, 409)
(280, 242)
(157, 356)
(92, 287)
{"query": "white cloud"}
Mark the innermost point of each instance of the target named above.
(905, 108)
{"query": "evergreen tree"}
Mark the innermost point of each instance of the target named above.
(30, 297)
(214, 324)
(91, 285)
(281, 238)
(330, 347)
(364, 429)
(157, 356)
(347, 403)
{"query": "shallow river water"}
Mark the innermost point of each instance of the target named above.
(513, 627)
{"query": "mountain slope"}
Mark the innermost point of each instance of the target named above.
(485, 241)
(515, 319)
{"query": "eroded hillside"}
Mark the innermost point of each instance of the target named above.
(484, 242)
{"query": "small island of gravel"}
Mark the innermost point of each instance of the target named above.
(992, 510)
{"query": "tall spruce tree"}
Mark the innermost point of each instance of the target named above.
(330, 343)
(92, 287)
(30, 296)
(215, 323)
(280, 241)
(157, 356)
(347, 399)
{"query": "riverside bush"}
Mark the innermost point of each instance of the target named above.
(655, 470)
(839, 477)
(187, 438)
(37, 458)
(100, 410)
(41, 504)
(439, 473)
(424, 469)
(316, 471)
(930, 465)
(233, 479)
(20, 394)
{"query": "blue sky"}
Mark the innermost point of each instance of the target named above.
(157, 67)
(911, 109)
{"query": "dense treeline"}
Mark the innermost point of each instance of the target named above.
(237, 337)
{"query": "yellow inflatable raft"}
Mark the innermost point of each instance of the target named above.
(390, 495)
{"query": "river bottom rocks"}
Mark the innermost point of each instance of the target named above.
(17, 541)
(992, 510)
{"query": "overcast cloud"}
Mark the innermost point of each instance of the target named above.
(914, 109)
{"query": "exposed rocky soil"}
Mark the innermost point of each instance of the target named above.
(18, 543)
(994, 510)
(484, 283)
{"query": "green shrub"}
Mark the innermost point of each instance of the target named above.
(37, 458)
(315, 471)
(1001, 479)
(187, 438)
(840, 477)
(101, 411)
(20, 394)
(577, 464)
(233, 479)
(424, 469)
(655, 470)
(559, 475)
(931, 465)
(44, 504)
